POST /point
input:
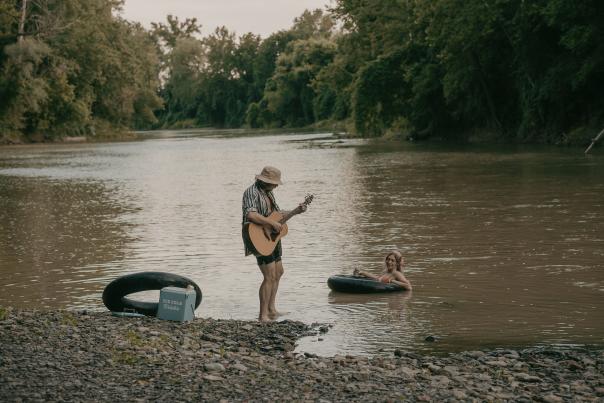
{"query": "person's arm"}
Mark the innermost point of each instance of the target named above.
(405, 284)
(368, 275)
(302, 208)
(401, 280)
(259, 219)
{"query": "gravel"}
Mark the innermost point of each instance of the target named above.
(84, 356)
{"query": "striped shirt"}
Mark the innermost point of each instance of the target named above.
(256, 199)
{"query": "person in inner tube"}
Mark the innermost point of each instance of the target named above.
(393, 271)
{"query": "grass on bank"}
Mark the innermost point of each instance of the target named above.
(3, 313)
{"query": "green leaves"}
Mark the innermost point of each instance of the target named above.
(291, 96)
(78, 67)
(521, 70)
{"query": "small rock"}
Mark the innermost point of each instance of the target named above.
(459, 394)
(518, 366)
(588, 361)
(433, 368)
(512, 354)
(214, 367)
(483, 377)
(580, 387)
(239, 367)
(572, 365)
(591, 374)
(497, 363)
(524, 377)
(413, 356)
(440, 381)
(408, 372)
(459, 379)
(451, 370)
(430, 339)
(213, 378)
(551, 398)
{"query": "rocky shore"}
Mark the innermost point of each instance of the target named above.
(84, 356)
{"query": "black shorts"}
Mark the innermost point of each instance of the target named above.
(273, 257)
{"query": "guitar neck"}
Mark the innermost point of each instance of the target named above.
(289, 215)
(297, 210)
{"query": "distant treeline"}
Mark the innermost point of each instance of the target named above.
(511, 70)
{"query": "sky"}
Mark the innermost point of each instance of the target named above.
(261, 17)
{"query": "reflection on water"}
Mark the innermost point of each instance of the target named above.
(58, 241)
(503, 248)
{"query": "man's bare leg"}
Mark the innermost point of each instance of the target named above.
(272, 310)
(265, 292)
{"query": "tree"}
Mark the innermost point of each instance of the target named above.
(187, 61)
(78, 69)
(166, 35)
(313, 24)
(222, 91)
(289, 94)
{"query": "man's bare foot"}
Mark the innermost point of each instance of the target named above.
(276, 314)
(264, 319)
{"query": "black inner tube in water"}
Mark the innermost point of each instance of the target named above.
(360, 285)
(114, 295)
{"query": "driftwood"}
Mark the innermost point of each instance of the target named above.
(593, 141)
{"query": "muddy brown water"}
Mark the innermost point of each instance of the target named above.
(504, 247)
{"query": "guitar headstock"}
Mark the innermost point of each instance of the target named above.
(308, 199)
(302, 206)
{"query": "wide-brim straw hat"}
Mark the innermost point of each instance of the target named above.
(270, 175)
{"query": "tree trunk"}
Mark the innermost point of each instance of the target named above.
(486, 91)
(21, 33)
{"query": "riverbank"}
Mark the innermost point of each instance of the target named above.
(60, 355)
(164, 133)
(102, 132)
(338, 130)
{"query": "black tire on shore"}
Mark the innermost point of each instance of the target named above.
(114, 295)
(360, 285)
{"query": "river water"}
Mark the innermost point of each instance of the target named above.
(505, 248)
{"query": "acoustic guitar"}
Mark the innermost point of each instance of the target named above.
(264, 241)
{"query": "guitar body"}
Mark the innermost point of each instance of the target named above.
(257, 240)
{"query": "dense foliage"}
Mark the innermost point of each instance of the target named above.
(515, 70)
(70, 67)
(495, 69)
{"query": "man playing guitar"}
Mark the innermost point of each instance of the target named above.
(258, 204)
